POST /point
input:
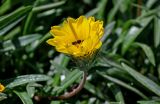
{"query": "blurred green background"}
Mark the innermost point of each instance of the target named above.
(127, 68)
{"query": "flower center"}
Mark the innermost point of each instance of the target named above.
(77, 42)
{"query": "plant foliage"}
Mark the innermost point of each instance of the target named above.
(127, 67)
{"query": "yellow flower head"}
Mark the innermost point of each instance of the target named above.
(1, 88)
(77, 37)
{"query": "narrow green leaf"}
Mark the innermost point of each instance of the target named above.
(148, 102)
(115, 103)
(57, 67)
(31, 88)
(20, 80)
(71, 78)
(24, 97)
(43, 39)
(94, 90)
(102, 7)
(158, 68)
(8, 19)
(12, 33)
(113, 11)
(117, 93)
(55, 102)
(10, 26)
(28, 24)
(56, 79)
(125, 5)
(152, 86)
(7, 5)
(3, 96)
(150, 3)
(121, 83)
(148, 51)
(108, 30)
(48, 6)
(134, 32)
(92, 12)
(65, 60)
(157, 31)
(20, 42)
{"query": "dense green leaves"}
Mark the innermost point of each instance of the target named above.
(133, 32)
(33, 70)
(143, 80)
(123, 84)
(20, 12)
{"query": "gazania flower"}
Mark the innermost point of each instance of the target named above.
(1, 88)
(79, 37)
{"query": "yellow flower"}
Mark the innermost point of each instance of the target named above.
(79, 37)
(1, 88)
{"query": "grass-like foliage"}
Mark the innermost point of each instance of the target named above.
(125, 71)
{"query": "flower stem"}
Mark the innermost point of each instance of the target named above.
(67, 95)
(73, 92)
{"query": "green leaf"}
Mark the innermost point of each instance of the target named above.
(108, 30)
(43, 39)
(55, 102)
(157, 31)
(115, 103)
(20, 42)
(121, 83)
(10, 26)
(148, 51)
(92, 12)
(20, 80)
(150, 3)
(134, 32)
(94, 90)
(28, 23)
(71, 78)
(15, 31)
(57, 67)
(3, 96)
(117, 93)
(114, 10)
(7, 5)
(8, 19)
(31, 88)
(24, 97)
(101, 5)
(148, 102)
(125, 5)
(48, 6)
(152, 86)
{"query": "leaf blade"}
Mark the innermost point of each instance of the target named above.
(152, 86)
(20, 80)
